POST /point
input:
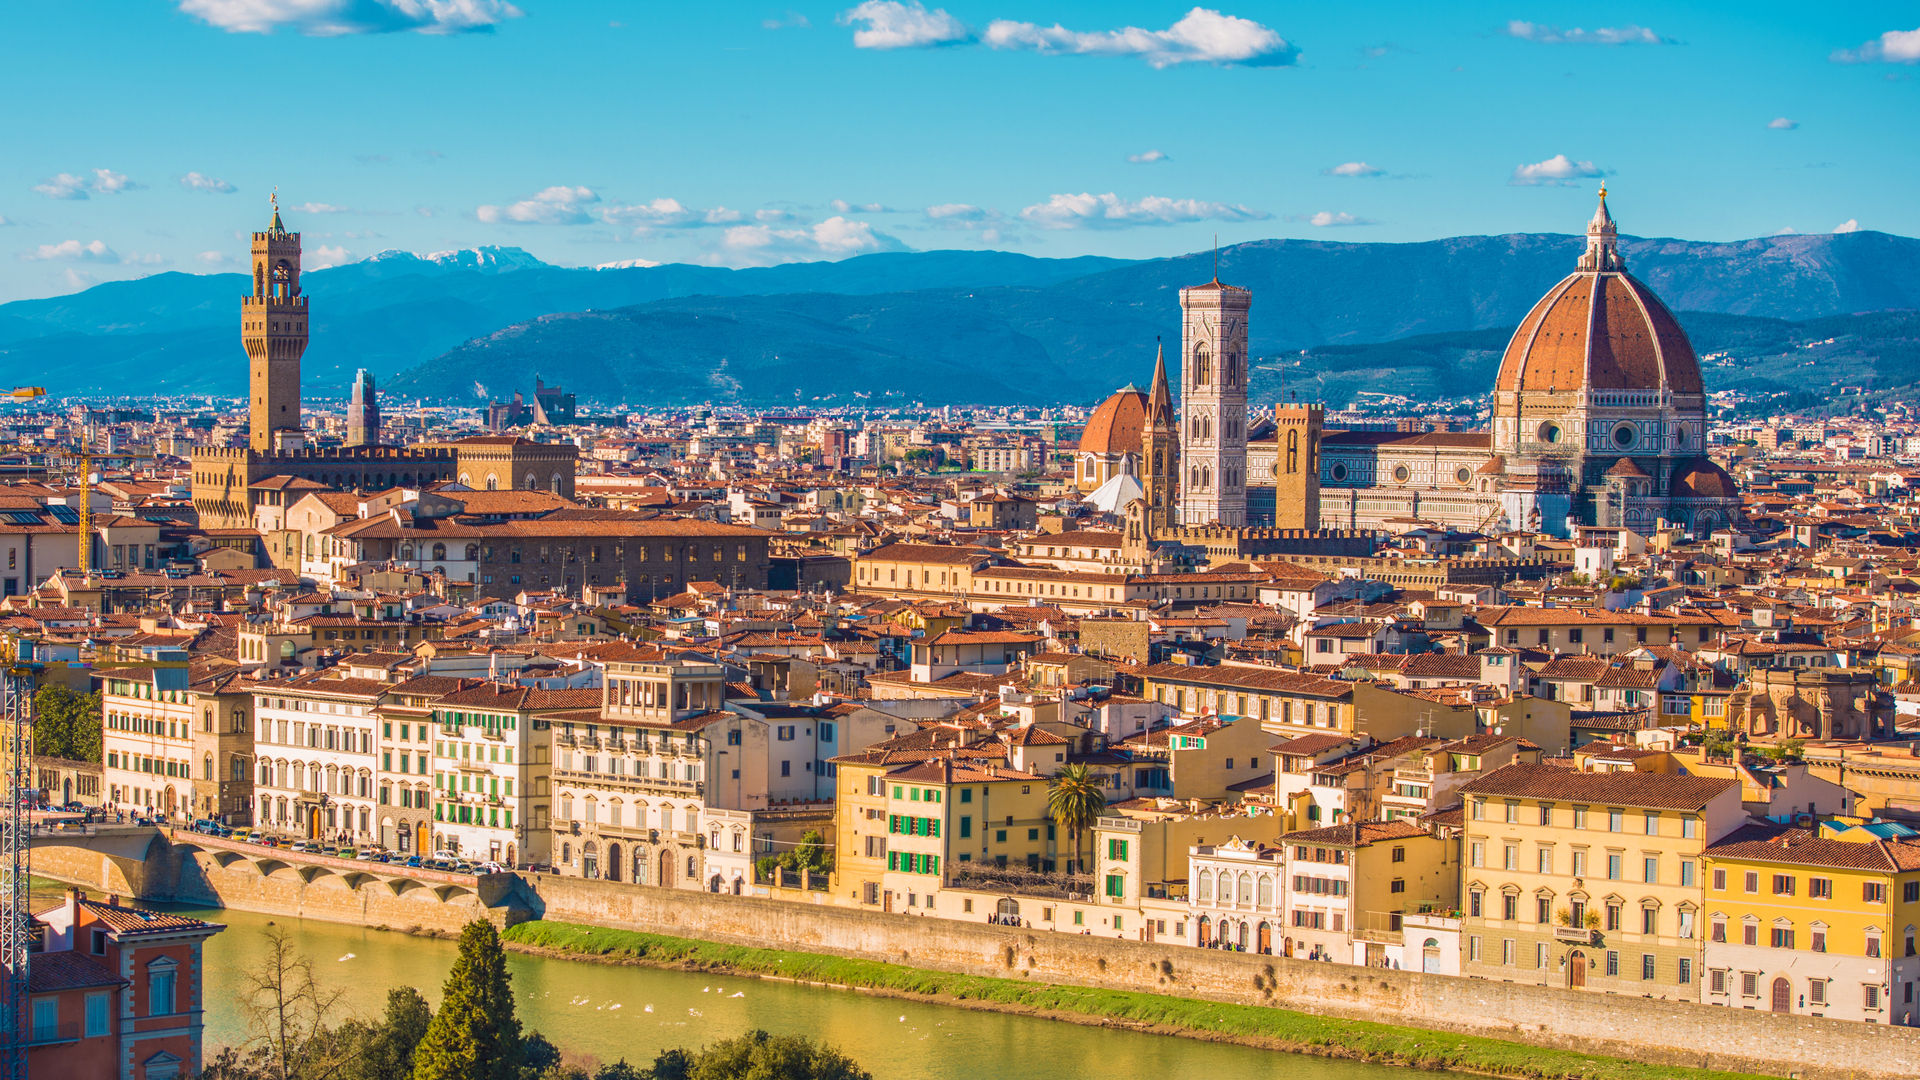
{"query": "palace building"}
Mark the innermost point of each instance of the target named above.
(273, 330)
(1599, 419)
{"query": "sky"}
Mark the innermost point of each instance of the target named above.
(146, 135)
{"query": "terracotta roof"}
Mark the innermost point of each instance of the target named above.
(68, 970)
(1603, 331)
(1770, 843)
(1115, 427)
(1648, 790)
(1355, 833)
(126, 921)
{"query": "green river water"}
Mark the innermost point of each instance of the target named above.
(601, 1012)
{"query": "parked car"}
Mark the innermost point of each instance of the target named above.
(415, 861)
(245, 836)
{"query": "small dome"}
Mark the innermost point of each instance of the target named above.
(1600, 328)
(1115, 427)
(1701, 478)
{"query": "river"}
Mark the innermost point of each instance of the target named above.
(601, 1011)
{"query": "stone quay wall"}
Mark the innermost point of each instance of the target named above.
(1643, 1029)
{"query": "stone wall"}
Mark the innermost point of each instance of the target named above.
(1666, 1033)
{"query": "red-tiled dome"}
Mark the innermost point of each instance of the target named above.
(1701, 478)
(1115, 427)
(1600, 328)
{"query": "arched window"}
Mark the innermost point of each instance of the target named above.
(556, 483)
(532, 484)
(1266, 891)
(1206, 887)
(1202, 365)
(1246, 888)
(473, 552)
(439, 552)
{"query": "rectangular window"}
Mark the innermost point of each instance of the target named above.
(1613, 963)
(97, 1015)
(1653, 823)
(1650, 870)
(1817, 941)
(1752, 881)
(1646, 966)
(1506, 951)
(1686, 873)
(1616, 820)
(1874, 892)
(1749, 984)
(160, 985)
(1117, 850)
(1717, 981)
(1686, 971)
(1783, 884)
(1750, 933)
(1782, 937)
(1613, 867)
(1816, 991)
(1649, 920)
(1473, 949)
(1819, 888)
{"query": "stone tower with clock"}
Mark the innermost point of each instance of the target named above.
(1213, 404)
(273, 328)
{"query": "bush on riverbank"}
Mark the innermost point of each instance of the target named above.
(1365, 1041)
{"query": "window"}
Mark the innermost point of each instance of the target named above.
(1717, 981)
(1750, 932)
(1783, 885)
(1869, 996)
(160, 987)
(1817, 940)
(1817, 991)
(1874, 892)
(1117, 850)
(1653, 823)
(1545, 860)
(1613, 866)
(1646, 966)
(1685, 974)
(1749, 984)
(1819, 888)
(1718, 931)
(1752, 881)
(1649, 920)
(1613, 963)
(98, 1006)
(1650, 870)
(1873, 945)
(1542, 908)
(1616, 820)
(46, 1019)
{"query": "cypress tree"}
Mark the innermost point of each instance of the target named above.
(474, 1035)
(388, 1045)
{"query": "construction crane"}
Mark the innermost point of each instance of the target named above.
(16, 715)
(26, 393)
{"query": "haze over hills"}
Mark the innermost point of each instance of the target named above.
(939, 326)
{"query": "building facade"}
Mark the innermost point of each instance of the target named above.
(1213, 404)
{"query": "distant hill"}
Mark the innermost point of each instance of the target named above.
(943, 326)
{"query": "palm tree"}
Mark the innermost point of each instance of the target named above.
(1075, 798)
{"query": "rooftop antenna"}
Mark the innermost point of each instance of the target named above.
(1216, 258)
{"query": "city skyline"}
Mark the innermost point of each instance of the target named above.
(1056, 130)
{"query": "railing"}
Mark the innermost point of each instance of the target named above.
(48, 1034)
(1578, 935)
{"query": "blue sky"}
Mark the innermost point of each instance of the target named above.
(146, 134)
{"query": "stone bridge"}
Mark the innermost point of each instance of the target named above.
(193, 868)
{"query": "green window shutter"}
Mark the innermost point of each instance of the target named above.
(933, 826)
(1114, 885)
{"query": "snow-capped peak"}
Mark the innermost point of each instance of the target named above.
(492, 260)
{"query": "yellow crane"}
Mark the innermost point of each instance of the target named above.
(83, 542)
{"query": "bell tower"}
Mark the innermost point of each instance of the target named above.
(1213, 404)
(273, 328)
(1160, 452)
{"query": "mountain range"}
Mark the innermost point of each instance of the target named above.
(1330, 320)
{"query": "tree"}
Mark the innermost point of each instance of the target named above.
(760, 1056)
(66, 724)
(1075, 799)
(387, 1046)
(475, 1035)
(290, 1016)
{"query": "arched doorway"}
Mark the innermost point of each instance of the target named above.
(737, 883)
(67, 787)
(1266, 938)
(1430, 955)
(713, 884)
(590, 860)
(1206, 931)
(613, 862)
(1782, 995)
(420, 836)
(1576, 970)
(666, 868)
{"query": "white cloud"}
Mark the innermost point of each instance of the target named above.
(1599, 35)
(842, 206)
(333, 18)
(1109, 211)
(1557, 170)
(625, 264)
(71, 186)
(1786, 230)
(74, 251)
(4, 222)
(324, 256)
(212, 258)
(194, 181)
(1781, 123)
(108, 182)
(834, 238)
(1355, 169)
(1894, 47)
(1202, 36)
(1148, 157)
(1326, 218)
(1847, 226)
(557, 205)
(958, 212)
(792, 20)
(319, 208)
(669, 214)
(889, 24)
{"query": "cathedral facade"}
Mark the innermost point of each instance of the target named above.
(1598, 419)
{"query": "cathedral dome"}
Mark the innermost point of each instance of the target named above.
(1600, 328)
(1115, 427)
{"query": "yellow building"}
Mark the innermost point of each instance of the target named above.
(1814, 925)
(1350, 887)
(918, 571)
(1590, 880)
(966, 823)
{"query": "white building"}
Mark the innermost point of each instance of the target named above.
(1236, 895)
(315, 752)
(491, 768)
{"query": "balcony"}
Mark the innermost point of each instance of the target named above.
(1574, 935)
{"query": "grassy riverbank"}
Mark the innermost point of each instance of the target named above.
(1246, 1024)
